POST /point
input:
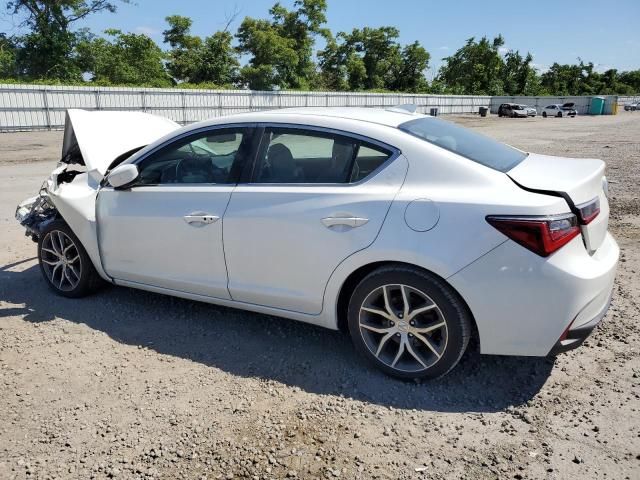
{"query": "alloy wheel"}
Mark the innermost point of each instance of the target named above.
(61, 260)
(403, 328)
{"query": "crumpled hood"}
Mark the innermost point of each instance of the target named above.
(103, 136)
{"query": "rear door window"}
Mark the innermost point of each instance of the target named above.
(299, 156)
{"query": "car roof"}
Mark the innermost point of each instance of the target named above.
(391, 116)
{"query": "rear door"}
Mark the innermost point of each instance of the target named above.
(314, 197)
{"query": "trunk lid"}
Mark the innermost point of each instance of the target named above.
(96, 138)
(578, 180)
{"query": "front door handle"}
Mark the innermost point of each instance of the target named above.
(200, 219)
(346, 221)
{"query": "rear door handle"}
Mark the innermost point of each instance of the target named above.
(200, 219)
(346, 221)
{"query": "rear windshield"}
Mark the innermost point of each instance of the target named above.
(465, 142)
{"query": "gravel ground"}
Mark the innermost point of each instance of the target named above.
(128, 384)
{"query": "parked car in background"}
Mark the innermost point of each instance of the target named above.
(560, 110)
(632, 106)
(512, 110)
(409, 232)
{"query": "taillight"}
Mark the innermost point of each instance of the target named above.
(588, 210)
(541, 235)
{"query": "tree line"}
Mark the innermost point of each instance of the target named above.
(279, 53)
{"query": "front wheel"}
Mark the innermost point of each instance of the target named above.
(408, 323)
(64, 263)
(559, 114)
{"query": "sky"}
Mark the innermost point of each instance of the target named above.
(606, 33)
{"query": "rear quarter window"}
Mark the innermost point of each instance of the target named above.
(466, 143)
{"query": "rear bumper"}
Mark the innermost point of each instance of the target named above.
(523, 303)
(576, 336)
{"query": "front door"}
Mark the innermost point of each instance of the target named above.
(315, 197)
(166, 229)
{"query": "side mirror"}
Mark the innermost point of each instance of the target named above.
(123, 175)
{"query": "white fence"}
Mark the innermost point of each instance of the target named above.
(582, 104)
(628, 99)
(34, 107)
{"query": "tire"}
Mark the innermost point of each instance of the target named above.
(544, 114)
(73, 277)
(559, 114)
(424, 341)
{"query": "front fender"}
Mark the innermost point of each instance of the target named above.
(76, 203)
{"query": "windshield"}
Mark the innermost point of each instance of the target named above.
(517, 107)
(465, 142)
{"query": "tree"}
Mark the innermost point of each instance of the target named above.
(410, 74)
(47, 50)
(475, 68)
(518, 76)
(631, 79)
(123, 59)
(281, 48)
(7, 57)
(564, 79)
(371, 58)
(333, 66)
(183, 56)
(191, 59)
(380, 53)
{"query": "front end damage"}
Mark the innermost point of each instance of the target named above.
(35, 212)
(68, 194)
(94, 143)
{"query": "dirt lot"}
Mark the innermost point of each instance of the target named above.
(127, 384)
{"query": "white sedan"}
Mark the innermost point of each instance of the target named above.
(408, 232)
(559, 110)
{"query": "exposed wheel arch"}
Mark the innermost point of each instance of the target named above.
(357, 275)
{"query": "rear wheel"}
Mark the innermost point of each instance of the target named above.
(64, 262)
(544, 114)
(559, 114)
(408, 323)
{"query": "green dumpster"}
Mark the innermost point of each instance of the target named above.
(597, 105)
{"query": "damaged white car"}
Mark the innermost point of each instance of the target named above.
(411, 233)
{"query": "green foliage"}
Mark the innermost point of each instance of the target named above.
(631, 80)
(8, 66)
(409, 75)
(281, 48)
(372, 58)
(518, 76)
(47, 51)
(124, 59)
(280, 55)
(475, 68)
(192, 59)
(582, 79)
